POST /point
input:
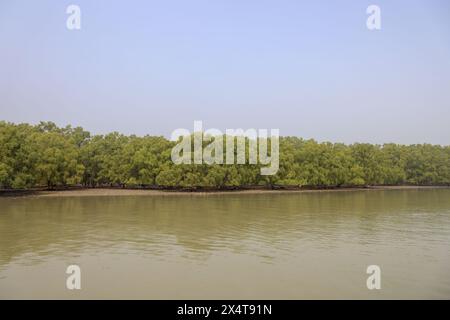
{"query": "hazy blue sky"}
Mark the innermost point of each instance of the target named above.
(311, 69)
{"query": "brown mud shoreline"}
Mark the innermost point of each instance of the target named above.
(88, 192)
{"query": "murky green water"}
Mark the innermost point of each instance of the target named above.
(233, 246)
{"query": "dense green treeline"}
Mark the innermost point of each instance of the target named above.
(45, 155)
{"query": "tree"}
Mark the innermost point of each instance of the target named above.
(47, 155)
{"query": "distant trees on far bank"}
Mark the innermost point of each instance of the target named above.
(45, 155)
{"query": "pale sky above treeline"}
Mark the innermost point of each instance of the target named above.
(309, 68)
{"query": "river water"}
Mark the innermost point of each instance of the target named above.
(228, 246)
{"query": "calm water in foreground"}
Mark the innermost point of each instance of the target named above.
(261, 246)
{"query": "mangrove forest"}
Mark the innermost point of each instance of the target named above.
(45, 155)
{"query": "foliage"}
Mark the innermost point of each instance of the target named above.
(45, 155)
